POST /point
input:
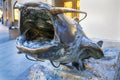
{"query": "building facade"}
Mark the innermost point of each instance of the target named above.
(102, 21)
(7, 12)
(0, 4)
(11, 13)
(0, 8)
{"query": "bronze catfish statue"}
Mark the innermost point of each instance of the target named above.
(48, 34)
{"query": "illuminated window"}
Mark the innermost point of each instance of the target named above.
(75, 4)
(78, 7)
(68, 4)
(16, 14)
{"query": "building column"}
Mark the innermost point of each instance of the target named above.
(9, 6)
(4, 12)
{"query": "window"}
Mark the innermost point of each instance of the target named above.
(75, 4)
(16, 14)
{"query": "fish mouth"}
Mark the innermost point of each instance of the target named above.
(36, 40)
(37, 32)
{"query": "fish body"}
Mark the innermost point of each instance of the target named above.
(48, 34)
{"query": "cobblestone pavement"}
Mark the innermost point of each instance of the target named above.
(13, 66)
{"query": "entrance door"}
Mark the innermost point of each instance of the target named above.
(75, 4)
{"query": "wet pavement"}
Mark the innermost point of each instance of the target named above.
(13, 66)
(4, 34)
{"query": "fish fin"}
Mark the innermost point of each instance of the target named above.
(100, 43)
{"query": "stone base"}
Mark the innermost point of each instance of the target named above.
(14, 33)
(96, 69)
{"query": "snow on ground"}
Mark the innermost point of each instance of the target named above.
(96, 69)
(104, 69)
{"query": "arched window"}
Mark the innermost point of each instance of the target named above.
(16, 16)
